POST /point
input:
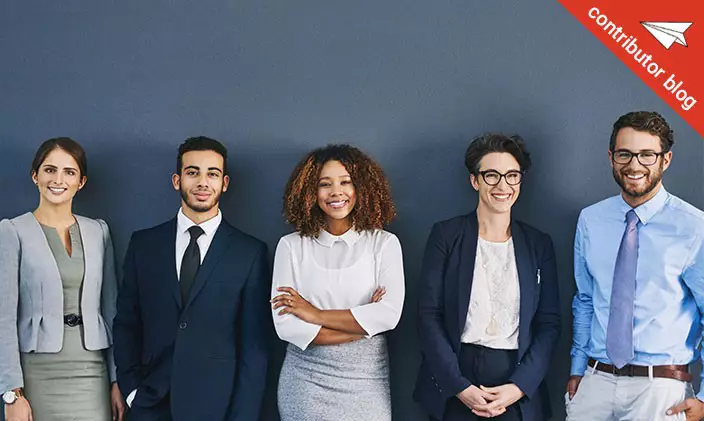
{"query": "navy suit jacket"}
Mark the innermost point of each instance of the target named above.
(446, 285)
(209, 354)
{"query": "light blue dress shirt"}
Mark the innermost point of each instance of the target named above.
(669, 297)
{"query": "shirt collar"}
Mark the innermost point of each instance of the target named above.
(209, 226)
(649, 209)
(350, 238)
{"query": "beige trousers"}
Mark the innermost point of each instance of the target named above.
(605, 397)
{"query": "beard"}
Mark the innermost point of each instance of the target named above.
(652, 178)
(197, 206)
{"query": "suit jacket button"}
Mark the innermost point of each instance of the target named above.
(183, 325)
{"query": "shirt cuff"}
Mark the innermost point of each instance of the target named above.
(579, 365)
(130, 398)
(374, 319)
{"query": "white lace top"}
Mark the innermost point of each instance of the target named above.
(492, 319)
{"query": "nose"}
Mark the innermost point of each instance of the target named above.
(203, 179)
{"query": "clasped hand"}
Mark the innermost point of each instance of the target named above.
(489, 402)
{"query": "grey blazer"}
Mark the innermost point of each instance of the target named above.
(31, 294)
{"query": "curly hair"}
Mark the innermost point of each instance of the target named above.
(645, 121)
(374, 207)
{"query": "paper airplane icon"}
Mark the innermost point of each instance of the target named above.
(668, 33)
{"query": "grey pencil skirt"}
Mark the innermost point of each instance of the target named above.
(347, 382)
(71, 385)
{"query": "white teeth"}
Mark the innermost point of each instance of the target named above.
(635, 177)
(337, 204)
(56, 190)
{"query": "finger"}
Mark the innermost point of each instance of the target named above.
(482, 414)
(284, 303)
(285, 310)
(492, 390)
(289, 290)
(281, 297)
(681, 407)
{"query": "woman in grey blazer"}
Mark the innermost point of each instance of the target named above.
(57, 301)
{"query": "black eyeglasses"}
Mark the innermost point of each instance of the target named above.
(493, 177)
(624, 156)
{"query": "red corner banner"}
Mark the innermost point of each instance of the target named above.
(661, 41)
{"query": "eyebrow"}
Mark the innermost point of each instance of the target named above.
(339, 176)
(55, 167)
(194, 167)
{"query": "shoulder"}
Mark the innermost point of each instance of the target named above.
(600, 208)
(13, 228)
(686, 214)
(453, 224)
(155, 233)
(381, 239)
(243, 239)
(533, 233)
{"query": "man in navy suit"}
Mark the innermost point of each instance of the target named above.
(193, 326)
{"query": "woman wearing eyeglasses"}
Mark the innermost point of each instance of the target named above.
(489, 313)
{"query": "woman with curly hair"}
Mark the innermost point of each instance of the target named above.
(337, 285)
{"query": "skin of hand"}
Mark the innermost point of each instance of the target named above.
(500, 398)
(117, 403)
(473, 397)
(19, 411)
(291, 302)
(693, 409)
(573, 385)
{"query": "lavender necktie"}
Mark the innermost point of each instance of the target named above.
(619, 334)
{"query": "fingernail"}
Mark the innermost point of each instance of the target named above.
(669, 412)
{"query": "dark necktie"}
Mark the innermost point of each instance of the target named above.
(619, 333)
(190, 263)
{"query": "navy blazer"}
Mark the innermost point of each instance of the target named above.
(209, 354)
(446, 285)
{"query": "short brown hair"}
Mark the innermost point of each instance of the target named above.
(645, 121)
(496, 142)
(374, 207)
(66, 144)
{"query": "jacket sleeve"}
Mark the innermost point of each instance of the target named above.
(10, 255)
(546, 327)
(108, 296)
(254, 341)
(127, 327)
(434, 343)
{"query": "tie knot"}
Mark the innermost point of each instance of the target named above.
(632, 218)
(195, 232)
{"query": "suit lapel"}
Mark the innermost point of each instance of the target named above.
(526, 279)
(220, 243)
(468, 253)
(89, 240)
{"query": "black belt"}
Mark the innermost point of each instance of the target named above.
(73, 320)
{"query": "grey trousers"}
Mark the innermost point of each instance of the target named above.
(605, 397)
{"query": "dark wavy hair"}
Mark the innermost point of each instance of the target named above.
(645, 121)
(201, 143)
(374, 206)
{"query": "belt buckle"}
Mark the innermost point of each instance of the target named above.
(72, 320)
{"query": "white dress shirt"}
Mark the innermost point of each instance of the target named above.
(494, 305)
(183, 237)
(340, 273)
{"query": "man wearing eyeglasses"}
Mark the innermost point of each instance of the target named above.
(639, 269)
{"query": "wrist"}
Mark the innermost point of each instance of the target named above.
(318, 317)
(12, 396)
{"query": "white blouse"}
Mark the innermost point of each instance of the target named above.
(340, 273)
(492, 319)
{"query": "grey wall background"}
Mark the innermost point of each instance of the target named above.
(410, 82)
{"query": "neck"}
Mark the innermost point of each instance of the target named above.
(54, 215)
(199, 217)
(338, 226)
(493, 226)
(634, 202)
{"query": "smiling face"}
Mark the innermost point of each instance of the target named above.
(58, 178)
(500, 198)
(638, 182)
(336, 193)
(201, 181)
